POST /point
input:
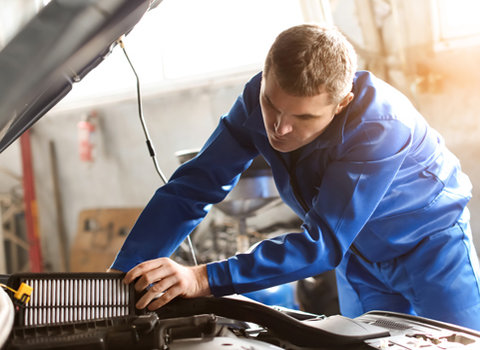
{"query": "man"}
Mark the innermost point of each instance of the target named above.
(382, 199)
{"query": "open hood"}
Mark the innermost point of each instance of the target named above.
(58, 47)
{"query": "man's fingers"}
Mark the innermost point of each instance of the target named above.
(165, 298)
(152, 276)
(156, 291)
(168, 280)
(142, 268)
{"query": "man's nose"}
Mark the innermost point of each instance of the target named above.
(282, 125)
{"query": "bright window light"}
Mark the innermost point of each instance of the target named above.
(457, 20)
(182, 40)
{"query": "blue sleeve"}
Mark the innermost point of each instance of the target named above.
(353, 184)
(179, 206)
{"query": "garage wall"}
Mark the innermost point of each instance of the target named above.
(122, 174)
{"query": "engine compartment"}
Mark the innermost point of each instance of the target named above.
(96, 311)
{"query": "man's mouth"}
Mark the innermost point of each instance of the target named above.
(276, 138)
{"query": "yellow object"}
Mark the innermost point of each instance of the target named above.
(23, 293)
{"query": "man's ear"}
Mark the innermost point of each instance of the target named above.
(344, 102)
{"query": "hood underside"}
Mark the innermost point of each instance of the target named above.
(58, 47)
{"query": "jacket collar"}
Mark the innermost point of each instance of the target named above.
(254, 121)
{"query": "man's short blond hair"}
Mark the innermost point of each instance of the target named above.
(309, 59)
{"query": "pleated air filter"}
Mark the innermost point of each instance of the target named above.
(71, 297)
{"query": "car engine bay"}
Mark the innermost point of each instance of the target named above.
(96, 311)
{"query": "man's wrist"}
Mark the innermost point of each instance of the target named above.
(201, 277)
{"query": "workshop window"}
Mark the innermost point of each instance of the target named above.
(181, 42)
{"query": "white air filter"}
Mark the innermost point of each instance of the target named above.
(61, 298)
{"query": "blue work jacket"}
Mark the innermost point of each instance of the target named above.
(379, 177)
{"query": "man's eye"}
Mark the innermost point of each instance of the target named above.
(270, 105)
(305, 117)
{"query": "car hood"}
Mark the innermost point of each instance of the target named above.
(58, 47)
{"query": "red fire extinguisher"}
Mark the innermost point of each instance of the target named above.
(86, 137)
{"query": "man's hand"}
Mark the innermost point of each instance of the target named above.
(169, 278)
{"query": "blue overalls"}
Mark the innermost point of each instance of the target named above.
(381, 198)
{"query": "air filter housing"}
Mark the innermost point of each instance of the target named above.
(63, 298)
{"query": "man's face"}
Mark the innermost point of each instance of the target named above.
(292, 121)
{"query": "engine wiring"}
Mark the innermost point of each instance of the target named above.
(150, 146)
